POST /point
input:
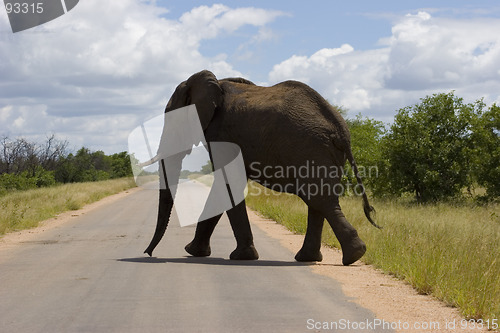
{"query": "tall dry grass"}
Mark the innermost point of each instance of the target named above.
(25, 209)
(450, 252)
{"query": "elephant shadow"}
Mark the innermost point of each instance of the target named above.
(216, 261)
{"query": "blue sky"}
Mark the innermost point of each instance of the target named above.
(94, 74)
(308, 26)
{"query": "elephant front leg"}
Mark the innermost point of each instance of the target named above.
(310, 250)
(200, 245)
(245, 249)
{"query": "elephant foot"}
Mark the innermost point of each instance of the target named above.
(198, 250)
(353, 251)
(304, 255)
(244, 253)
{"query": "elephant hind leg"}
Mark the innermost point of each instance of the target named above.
(353, 248)
(200, 245)
(310, 250)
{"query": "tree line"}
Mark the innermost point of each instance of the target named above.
(25, 164)
(439, 149)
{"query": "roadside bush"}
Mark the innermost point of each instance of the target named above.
(44, 178)
(17, 182)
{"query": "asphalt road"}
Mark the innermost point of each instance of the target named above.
(90, 275)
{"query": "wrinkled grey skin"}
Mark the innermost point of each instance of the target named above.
(285, 125)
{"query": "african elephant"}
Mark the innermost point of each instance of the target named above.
(279, 129)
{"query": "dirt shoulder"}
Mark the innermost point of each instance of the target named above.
(394, 302)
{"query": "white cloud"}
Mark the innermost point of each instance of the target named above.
(5, 113)
(96, 131)
(423, 55)
(342, 75)
(105, 61)
(437, 53)
(207, 22)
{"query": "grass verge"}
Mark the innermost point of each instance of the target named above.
(450, 252)
(25, 209)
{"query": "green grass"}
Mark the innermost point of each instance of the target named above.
(25, 209)
(450, 252)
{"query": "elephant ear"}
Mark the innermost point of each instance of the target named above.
(206, 93)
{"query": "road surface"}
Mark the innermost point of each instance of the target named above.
(89, 275)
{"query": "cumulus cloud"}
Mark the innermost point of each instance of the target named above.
(107, 61)
(33, 121)
(423, 55)
(207, 22)
(344, 76)
(427, 52)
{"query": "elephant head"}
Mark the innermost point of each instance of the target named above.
(203, 90)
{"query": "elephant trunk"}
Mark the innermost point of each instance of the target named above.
(166, 204)
(151, 161)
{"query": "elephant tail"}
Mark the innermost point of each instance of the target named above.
(368, 209)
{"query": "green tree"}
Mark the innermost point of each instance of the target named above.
(21, 181)
(485, 145)
(185, 174)
(44, 178)
(101, 161)
(207, 168)
(429, 147)
(366, 137)
(120, 165)
(85, 169)
(66, 170)
(84, 166)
